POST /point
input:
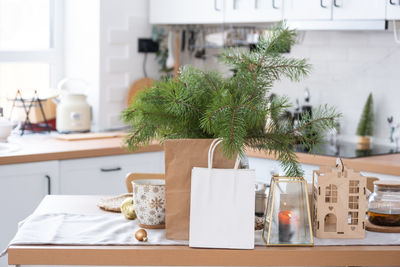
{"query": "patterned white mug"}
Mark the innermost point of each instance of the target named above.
(149, 202)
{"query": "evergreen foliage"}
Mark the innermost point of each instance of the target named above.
(366, 124)
(204, 104)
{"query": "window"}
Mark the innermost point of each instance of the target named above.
(30, 47)
(331, 194)
(354, 187)
(24, 25)
(353, 202)
(352, 219)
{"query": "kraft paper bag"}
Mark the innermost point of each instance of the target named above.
(222, 206)
(181, 155)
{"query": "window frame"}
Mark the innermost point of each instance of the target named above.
(354, 201)
(352, 218)
(331, 193)
(54, 55)
(354, 187)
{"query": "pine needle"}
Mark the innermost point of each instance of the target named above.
(204, 104)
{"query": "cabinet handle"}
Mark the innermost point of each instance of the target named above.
(392, 3)
(48, 184)
(322, 4)
(274, 6)
(335, 3)
(111, 169)
(216, 7)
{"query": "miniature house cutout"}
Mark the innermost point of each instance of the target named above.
(339, 203)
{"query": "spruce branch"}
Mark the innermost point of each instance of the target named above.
(323, 116)
(204, 104)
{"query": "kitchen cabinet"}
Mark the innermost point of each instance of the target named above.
(253, 11)
(242, 11)
(22, 187)
(335, 9)
(105, 175)
(186, 12)
(308, 9)
(358, 10)
(392, 9)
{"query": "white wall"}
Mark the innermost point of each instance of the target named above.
(122, 23)
(101, 47)
(82, 46)
(347, 65)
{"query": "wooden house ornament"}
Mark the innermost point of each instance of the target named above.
(339, 202)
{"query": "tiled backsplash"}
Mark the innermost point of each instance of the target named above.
(347, 66)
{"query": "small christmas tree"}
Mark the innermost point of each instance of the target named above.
(366, 123)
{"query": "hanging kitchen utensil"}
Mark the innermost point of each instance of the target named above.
(191, 41)
(176, 63)
(183, 41)
(170, 60)
(202, 50)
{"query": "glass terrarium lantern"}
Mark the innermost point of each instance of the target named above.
(288, 220)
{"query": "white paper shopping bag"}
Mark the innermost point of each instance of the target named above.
(222, 206)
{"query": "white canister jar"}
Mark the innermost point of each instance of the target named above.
(73, 114)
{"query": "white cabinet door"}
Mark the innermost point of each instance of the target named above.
(237, 11)
(392, 9)
(105, 175)
(308, 10)
(359, 9)
(186, 11)
(22, 187)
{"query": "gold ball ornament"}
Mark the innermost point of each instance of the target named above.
(141, 235)
(128, 209)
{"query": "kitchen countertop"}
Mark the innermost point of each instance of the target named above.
(386, 164)
(149, 255)
(36, 148)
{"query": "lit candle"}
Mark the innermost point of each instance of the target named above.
(285, 222)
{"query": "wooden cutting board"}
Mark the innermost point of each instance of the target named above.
(136, 87)
(89, 136)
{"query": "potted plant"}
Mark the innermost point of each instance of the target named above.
(205, 104)
(365, 128)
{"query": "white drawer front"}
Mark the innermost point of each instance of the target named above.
(106, 175)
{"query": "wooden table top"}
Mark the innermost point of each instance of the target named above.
(185, 256)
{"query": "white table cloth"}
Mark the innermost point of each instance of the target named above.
(114, 229)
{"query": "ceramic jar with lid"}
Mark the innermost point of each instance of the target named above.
(73, 114)
(384, 204)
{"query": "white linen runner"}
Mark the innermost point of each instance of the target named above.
(78, 229)
(114, 229)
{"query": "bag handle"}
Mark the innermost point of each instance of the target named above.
(211, 151)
